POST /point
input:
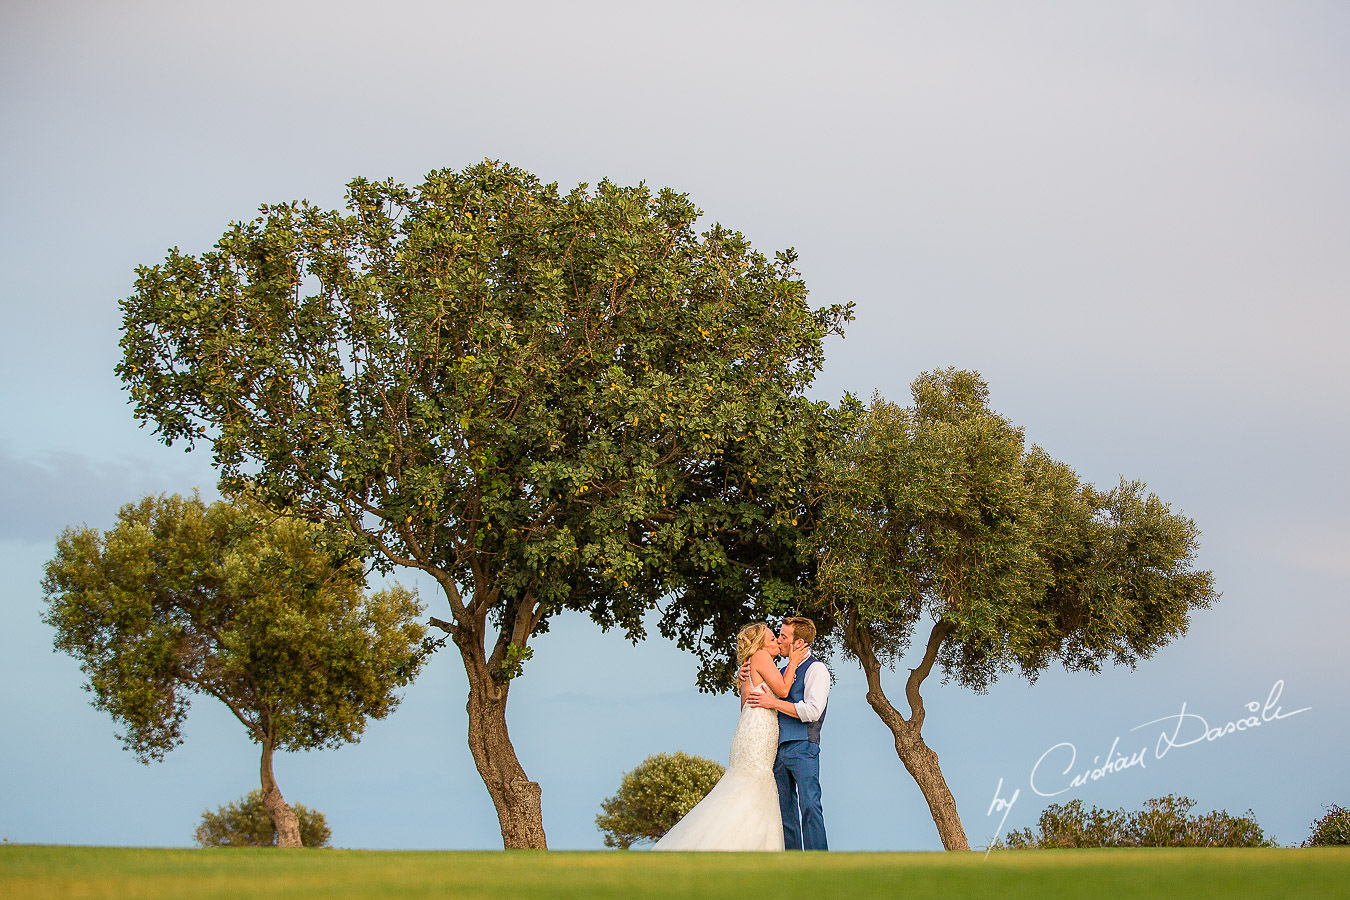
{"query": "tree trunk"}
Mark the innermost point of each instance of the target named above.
(516, 797)
(917, 757)
(922, 764)
(282, 815)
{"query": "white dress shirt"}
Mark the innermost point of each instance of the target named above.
(816, 691)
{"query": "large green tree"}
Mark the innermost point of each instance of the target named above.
(546, 401)
(235, 602)
(938, 516)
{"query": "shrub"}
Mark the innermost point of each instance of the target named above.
(1163, 822)
(654, 796)
(246, 824)
(1070, 826)
(1332, 830)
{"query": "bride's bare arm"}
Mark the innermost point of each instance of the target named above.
(778, 682)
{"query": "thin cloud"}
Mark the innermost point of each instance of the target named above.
(41, 496)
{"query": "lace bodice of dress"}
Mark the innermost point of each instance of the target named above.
(755, 742)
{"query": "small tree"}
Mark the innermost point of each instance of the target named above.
(546, 401)
(247, 824)
(1163, 822)
(1332, 830)
(654, 796)
(939, 513)
(238, 603)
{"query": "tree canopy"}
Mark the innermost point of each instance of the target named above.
(235, 602)
(938, 513)
(547, 401)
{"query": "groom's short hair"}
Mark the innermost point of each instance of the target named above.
(803, 629)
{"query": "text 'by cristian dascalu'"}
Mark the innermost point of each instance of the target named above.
(1058, 769)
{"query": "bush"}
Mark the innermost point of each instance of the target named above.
(654, 796)
(1332, 830)
(1163, 822)
(1068, 826)
(246, 824)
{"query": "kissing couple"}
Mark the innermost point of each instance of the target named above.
(769, 796)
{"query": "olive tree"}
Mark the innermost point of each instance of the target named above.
(546, 401)
(234, 602)
(938, 517)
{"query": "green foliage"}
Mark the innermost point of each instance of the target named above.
(246, 824)
(1332, 830)
(654, 796)
(1163, 822)
(939, 510)
(235, 602)
(548, 401)
(514, 663)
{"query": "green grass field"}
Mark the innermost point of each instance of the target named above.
(92, 872)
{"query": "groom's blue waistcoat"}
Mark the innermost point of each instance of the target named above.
(791, 728)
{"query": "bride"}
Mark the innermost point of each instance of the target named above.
(741, 812)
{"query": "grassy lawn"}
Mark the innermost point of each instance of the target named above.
(91, 872)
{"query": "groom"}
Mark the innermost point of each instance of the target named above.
(800, 715)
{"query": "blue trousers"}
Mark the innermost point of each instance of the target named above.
(797, 771)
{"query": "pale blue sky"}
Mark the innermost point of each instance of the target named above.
(1132, 218)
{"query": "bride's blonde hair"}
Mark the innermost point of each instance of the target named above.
(750, 639)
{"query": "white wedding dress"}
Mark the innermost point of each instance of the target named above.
(741, 811)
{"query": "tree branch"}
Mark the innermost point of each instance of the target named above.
(860, 642)
(443, 578)
(941, 628)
